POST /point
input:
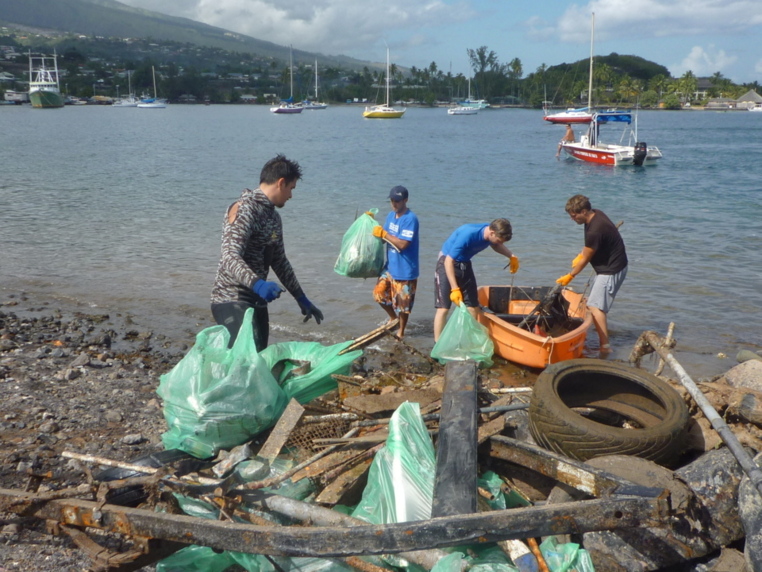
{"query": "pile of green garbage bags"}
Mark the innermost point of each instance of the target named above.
(400, 488)
(218, 397)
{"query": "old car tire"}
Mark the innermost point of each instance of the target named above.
(586, 408)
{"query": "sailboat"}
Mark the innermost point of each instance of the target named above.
(154, 102)
(384, 111)
(288, 106)
(581, 114)
(474, 103)
(307, 104)
(44, 90)
(128, 100)
(590, 149)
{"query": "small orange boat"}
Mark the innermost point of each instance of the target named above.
(537, 326)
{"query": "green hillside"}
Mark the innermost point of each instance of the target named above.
(111, 18)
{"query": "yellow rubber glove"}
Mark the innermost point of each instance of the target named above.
(576, 260)
(565, 279)
(379, 232)
(514, 264)
(456, 296)
(370, 214)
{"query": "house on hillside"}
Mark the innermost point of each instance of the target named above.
(748, 100)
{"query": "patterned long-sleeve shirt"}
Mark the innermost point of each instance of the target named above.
(252, 244)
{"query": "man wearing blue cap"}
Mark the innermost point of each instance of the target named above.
(395, 289)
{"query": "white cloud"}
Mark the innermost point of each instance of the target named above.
(327, 26)
(658, 18)
(703, 62)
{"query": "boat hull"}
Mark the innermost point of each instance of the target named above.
(47, 98)
(614, 155)
(383, 113)
(286, 109)
(560, 118)
(462, 111)
(525, 347)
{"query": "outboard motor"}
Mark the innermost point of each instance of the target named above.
(640, 153)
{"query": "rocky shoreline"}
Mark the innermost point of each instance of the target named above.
(86, 383)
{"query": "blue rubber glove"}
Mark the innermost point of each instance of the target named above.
(309, 309)
(268, 291)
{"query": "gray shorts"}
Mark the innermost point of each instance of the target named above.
(604, 290)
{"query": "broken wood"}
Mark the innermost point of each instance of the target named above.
(282, 431)
(370, 337)
(455, 481)
(744, 459)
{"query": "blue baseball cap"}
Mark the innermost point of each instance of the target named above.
(398, 193)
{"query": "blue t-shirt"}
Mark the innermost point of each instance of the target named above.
(466, 242)
(402, 265)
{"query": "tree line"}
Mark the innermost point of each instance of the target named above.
(99, 67)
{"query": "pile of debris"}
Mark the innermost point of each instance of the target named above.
(437, 467)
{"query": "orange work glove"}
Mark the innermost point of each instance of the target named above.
(456, 296)
(565, 279)
(514, 264)
(370, 214)
(379, 232)
(576, 260)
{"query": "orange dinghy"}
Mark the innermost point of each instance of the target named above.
(535, 326)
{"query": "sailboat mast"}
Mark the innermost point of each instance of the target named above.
(590, 80)
(291, 70)
(153, 72)
(316, 83)
(387, 77)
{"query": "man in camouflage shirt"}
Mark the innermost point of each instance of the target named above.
(252, 243)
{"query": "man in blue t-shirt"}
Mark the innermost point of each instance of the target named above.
(454, 277)
(395, 289)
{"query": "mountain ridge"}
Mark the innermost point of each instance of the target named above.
(114, 19)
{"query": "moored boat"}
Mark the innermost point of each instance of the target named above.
(385, 111)
(287, 106)
(591, 150)
(581, 115)
(461, 110)
(44, 90)
(536, 326)
(153, 102)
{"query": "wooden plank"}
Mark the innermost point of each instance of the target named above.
(282, 431)
(336, 489)
(455, 483)
(480, 528)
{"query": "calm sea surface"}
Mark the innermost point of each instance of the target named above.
(120, 210)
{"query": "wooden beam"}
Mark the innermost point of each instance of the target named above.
(455, 484)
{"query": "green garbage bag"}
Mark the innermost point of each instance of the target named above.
(208, 561)
(566, 557)
(361, 254)
(463, 338)
(322, 362)
(218, 398)
(401, 478)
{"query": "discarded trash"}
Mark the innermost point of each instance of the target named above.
(302, 383)
(361, 254)
(216, 397)
(463, 338)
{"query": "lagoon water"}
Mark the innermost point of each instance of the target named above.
(120, 210)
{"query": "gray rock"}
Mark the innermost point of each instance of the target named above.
(133, 439)
(113, 416)
(81, 360)
(750, 509)
(747, 374)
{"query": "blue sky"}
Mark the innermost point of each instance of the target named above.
(703, 36)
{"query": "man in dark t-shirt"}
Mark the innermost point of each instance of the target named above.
(604, 250)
